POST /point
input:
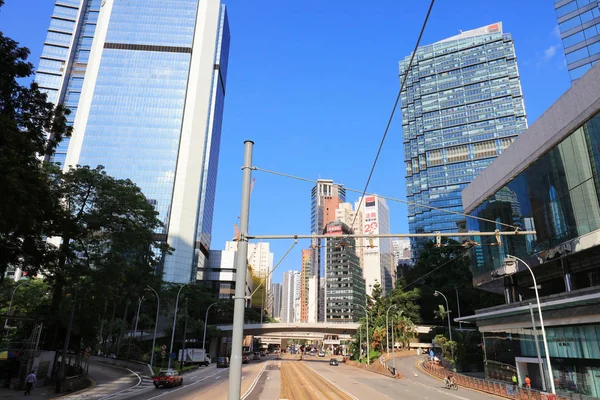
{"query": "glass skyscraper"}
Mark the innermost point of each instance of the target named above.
(461, 107)
(579, 25)
(146, 79)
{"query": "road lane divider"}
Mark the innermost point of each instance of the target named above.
(255, 382)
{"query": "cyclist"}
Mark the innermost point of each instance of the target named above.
(449, 379)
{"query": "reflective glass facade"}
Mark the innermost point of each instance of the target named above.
(65, 56)
(461, 107)
(579, 25)
(574, 352)
(153, 95)
(558, 196)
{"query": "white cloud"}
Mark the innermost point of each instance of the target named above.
(556, 32)
(550, 52)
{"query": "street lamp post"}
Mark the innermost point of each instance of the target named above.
(11, 301)
(437, 293)
(155, 323)
(387, 328)
(137, 318)
(367, 318)
(174, 323)
(205, 322)
(539, 307)
(393, 340)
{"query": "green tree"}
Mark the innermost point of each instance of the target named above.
(30, 127)
(446, 269)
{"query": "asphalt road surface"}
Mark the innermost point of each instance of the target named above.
(205, 383)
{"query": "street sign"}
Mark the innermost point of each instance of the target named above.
(163, 354)
(163, 347)
(172, 355)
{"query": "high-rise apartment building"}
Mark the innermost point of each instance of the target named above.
(220, 276)
(377, 252)
(345, 285)
(305, 284)
(277, 289)
(146, 81)
(461, 107)
(325, 198)
(354, 219)
(290, 297)
(579, 26)
(401, 249)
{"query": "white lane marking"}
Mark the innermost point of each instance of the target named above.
(254, 383)
(121, 391)
(334, 384)
(174, 390)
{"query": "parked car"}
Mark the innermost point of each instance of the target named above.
(321, 354)
(223, 362)
(245, 360)
(169, 378)
(333, 362)
(256, 356)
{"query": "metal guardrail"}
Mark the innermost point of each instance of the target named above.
(507, 390)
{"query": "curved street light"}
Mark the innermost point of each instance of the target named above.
(205, 322)
(387, 327)
(367, 318)
(11, 301)
(393, 341)
(155, 323)
(539, 307)
(174, 323)
(438, 293)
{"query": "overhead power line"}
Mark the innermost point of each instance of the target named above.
(393, 199)
(389, 123)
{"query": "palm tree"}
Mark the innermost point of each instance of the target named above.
(440, 313)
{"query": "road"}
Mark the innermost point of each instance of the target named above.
(361, 384)
(207, 382)
(300, 382)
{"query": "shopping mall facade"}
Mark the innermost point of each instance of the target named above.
(546, 181)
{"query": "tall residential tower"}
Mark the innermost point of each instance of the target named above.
(325, 198)
(461, 107)
(146, 79)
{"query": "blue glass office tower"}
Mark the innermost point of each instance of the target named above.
(461, 107)
(149, 104)
(579, 25)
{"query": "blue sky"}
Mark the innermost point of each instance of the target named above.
(312, 83)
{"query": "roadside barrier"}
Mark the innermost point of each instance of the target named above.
(507, 390)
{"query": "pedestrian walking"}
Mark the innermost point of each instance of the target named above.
(29, 382)
(527, 382)
(514, 380)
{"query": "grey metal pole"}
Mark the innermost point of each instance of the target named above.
(155, 325)
(137, 318)
(539, 306)
(448, 314)
(393, 347)
(174, 324)
(537, 348)
(458, 306)
(206, 322)
(11, 301)
(367, 318)
(387, 328)
(235, 366)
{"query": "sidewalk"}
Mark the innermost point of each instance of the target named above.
(42, 393)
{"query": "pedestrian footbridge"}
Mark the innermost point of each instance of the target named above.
(304, 329)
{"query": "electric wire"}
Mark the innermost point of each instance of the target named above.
(393, 199)
(437, 268)
(389, 123)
